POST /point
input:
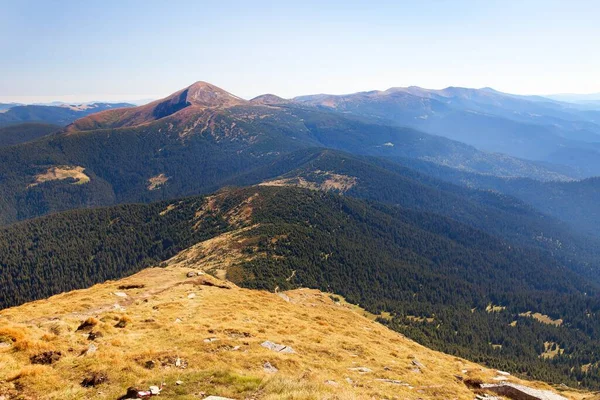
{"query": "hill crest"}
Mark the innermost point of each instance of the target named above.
(168, 325)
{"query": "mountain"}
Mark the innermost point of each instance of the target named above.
(26, 132)
(56, 115)
(526, 127)
(7, 106)
(205, 335)
(375, 179)
(199, 97)
(195, 141)
(447, 285)
(575, 203)
(576, 98)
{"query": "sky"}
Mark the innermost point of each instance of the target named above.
(77, 51)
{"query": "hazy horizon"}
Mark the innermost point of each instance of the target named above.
(76, 52)
(140, 100)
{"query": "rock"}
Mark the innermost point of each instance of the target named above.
(503, 373)
(191, 274)
(46, 358)
(178, 321)
(155, 390)
(122, 323)
(284, 296)
(191, 295)
(95, 379)
(120, 294)
(268, 367)
(521, 392)
(500, 378)
(416, 363)
(362, 370)
(280, 348)
(91, 350)
(332, 383)
(178, 362)
(88, 324)
(393, 381)
(179, 382)
(211, 339)
(149, 364)
(94, 335)
(132, 286)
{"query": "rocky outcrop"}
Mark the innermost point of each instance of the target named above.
(520, 392)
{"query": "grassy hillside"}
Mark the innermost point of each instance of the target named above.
(428, 276)
(55, 115)
(216, 333)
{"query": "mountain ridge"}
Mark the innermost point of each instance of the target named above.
(163, 314)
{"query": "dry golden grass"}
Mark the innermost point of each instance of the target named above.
(62, 173)
(544, 319)
(330, 181)
(157, 181)
(173, 317)
(493, 308)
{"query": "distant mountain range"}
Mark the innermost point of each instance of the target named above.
(201, 137)
(530, 127)
(58, 114)
(590, 99)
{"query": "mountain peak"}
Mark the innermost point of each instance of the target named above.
(205, 94)
(268, 99)
(199, 95)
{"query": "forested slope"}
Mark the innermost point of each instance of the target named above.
(434, 276)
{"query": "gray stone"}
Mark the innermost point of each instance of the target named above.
(362, 370)
(91, 350)
(268, 367)
(393, 381)
(521, 392)
(279, 348)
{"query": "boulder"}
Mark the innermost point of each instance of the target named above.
(279, 348)
(520, 392)
(46, 358)
(94, 379)
(268, 367)
(362, 370)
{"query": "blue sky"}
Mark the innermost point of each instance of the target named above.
(110, 50)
